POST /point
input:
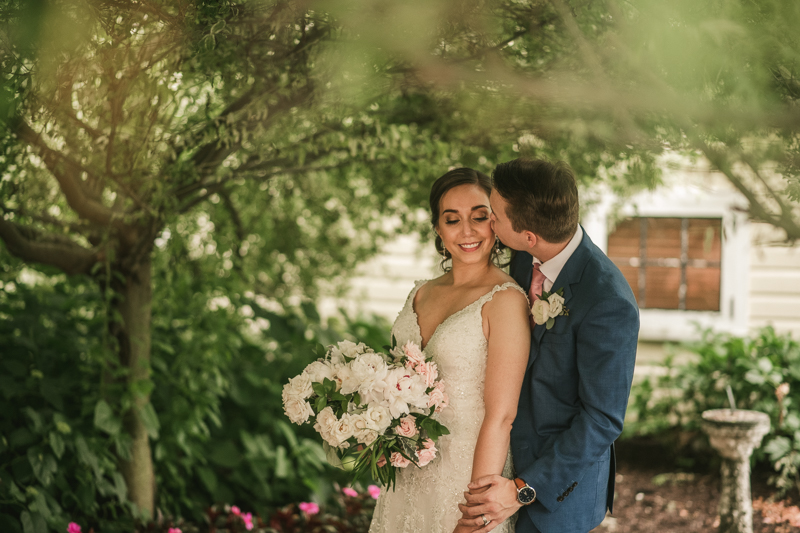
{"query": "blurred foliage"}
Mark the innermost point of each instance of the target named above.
(220, 434)
(754, 368)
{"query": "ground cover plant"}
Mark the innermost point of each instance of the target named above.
(763, 373)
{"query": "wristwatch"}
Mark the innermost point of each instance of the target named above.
(526, 495)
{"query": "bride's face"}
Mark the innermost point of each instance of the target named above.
(464, 224)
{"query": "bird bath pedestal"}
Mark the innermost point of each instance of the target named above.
(735, 433)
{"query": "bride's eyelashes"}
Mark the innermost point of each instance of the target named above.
(456, 221)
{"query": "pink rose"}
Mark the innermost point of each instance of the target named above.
(429, 371)
(414, 354)
(309, 508)
(72, 527)
(429, 444)
(374, 490)
(248, 520)
(426, 455)
(438, 397)
(349, 492)
(174, 530)
(399, 461)
(382, 461)
(235, 510)
(407, 427)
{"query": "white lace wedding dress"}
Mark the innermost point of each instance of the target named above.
(425, 500)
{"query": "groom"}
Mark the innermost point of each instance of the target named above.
(580, 368)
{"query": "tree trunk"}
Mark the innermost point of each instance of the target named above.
(135, 306)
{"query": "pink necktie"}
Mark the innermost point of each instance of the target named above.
(537, 285)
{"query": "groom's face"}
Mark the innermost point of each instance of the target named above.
(502, 225)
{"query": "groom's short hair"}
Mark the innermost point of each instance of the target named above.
(542, 197)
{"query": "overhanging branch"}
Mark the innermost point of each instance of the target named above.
(55, 250)
(66, 173)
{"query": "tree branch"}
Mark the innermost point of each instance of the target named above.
(756, 208)
(68, 180)
(49, 249)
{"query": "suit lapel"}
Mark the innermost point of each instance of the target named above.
(569, 275)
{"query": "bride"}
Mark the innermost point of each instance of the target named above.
(473, 320)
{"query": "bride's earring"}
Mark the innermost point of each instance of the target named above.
(496, 245)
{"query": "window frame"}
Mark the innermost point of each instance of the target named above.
(687, 202)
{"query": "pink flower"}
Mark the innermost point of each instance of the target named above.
(407, 427)
(428, 453)
(382, 461)
(438, 397)
(174, 530)
(349, 492)
(399, 461)
(309, 508)
(414, 354)
(235, 510)
(374, 490)
(72, 527)
(248, 520)
(429, 371)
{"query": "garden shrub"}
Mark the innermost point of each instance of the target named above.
(763, 372)
(219, 435)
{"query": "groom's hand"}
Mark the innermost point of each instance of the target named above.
(494, 497)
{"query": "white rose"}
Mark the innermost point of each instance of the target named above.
(335, 356)
(366, 371)
(350, 349)
(342, 429)
(319, 371)
(298, 410)
(541, 311)
(556, 304)
(326, 419)
(349, 380)
(300, 386)
(412, 389)
(363, 430)
(378, 418)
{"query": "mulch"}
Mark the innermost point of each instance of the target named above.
(654, 495)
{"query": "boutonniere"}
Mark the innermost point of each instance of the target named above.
(548, 307)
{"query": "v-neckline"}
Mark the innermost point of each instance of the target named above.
(440, 324)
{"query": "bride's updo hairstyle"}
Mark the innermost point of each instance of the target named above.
(452, 179)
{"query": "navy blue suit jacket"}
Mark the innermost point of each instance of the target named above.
(575, 393)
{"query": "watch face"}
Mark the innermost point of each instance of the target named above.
(526, 495)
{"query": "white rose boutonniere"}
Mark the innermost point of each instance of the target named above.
(549, 306)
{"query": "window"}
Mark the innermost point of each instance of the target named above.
(670, 263)
(685, 250)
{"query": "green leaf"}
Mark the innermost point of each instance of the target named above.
(150, 420)
(33, 523)
(282, 465)
(208, 477)
(778, 447)
(754, 377)
(35, 418)
(56, 443)
(105, 420)
(120, 488)
(550, 322)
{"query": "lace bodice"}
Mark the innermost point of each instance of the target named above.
(425, 500)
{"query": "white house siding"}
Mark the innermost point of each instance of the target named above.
(774, 282)
(383, 283)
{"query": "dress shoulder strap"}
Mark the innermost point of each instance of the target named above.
(497, 288)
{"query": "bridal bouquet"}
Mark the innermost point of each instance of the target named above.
(373, 411)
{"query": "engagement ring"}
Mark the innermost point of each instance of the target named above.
(485, 520)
